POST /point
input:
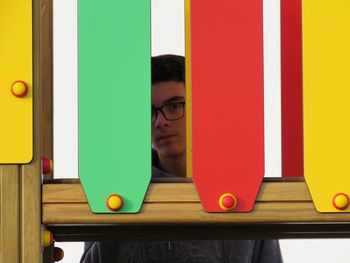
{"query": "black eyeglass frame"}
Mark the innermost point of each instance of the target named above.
(160, 109)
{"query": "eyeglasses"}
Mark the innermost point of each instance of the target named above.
(171, 111)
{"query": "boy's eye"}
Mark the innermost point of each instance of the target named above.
(174, 107)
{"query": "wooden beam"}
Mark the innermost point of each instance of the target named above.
(9, 213)
(30, 176)
(46, 79)
(177, 192)
(179, 204)
(185, 213)
(282, 210)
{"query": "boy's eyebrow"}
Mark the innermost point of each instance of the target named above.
(173, 99)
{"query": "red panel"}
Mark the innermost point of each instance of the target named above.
(227, 97)
(292, 103)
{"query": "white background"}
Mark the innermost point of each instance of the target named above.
(168, 37)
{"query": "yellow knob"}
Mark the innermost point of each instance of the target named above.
(341, 201)
(114, 202)
(47, 238)
(19, 88)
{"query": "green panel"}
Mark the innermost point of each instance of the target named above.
(114, 50)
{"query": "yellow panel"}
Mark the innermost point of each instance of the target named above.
(326, 66)
(188, 88)
(16, 133)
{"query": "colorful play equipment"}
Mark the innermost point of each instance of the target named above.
(224, 61)
(16, 79)
(228, 151)
(105, 86)
(325, 95)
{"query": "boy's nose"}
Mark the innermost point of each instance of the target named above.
(160, 120)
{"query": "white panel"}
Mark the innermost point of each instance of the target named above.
(65, 89)
(272, 88)
(168, 27)
(316, 251)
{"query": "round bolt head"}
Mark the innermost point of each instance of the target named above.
(114, 202)
(228, 202)
(19, 88)
(47, 238)
(47, 165)
(341, 201)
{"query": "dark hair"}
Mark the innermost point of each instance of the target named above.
(168, 68)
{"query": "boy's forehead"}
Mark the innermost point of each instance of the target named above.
(163, 91)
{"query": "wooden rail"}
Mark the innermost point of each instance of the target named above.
(282, 209)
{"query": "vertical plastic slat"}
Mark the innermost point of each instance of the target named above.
(114, 101)
(292, 89)
(16, 113)
(326, 65)
(227, 100)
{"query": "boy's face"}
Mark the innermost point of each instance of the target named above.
(168, 137)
